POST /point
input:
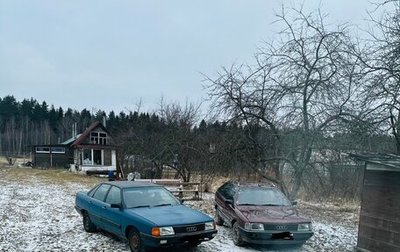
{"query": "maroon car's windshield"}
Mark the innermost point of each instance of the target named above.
(261, 196)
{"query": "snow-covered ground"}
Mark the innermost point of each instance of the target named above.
(37, 214)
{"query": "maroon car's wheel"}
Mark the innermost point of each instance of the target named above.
(135, 242)
(218, 218)
(237, 239)
(88, 224)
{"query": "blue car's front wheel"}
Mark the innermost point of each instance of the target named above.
(135, 241)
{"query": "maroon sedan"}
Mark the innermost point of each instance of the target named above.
(260, 214)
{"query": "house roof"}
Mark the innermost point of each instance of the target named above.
(86, 133)
(48, 145)
(71, 140)
(391, 161)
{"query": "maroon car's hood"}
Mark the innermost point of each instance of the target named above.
(271, 214)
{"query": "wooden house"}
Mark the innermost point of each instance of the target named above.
(379, 226)
(94, 149)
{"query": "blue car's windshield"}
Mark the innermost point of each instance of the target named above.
(261, 196)
(148, 197)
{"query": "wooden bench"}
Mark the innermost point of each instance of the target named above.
(192, 188)
(179, 188)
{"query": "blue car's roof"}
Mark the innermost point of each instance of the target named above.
(130, 184)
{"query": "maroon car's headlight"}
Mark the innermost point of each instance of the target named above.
(254, 226)
(304, 227)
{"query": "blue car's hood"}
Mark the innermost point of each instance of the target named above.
(171, 215)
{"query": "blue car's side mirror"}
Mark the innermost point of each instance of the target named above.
(116, 206)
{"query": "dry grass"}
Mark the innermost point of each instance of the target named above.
(213, 182)
(3, 161)
(53, 176)
(338, 206)
(20, 173)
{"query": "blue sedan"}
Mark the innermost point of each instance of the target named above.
(145, 214)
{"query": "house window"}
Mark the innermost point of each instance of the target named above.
(102, 138)
(60, 150)
(42, 149)
(97, 157)
(98, 138)
(87, 157)
(92, 157)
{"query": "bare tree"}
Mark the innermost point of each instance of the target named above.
(382, 91)
(305, 83)
(179, 144)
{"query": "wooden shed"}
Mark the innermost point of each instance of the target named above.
(56, 155)
(379, 226)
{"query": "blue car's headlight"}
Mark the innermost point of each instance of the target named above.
(209, 225)
(161, 231)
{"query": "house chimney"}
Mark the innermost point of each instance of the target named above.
(104, 121)
(74, 129)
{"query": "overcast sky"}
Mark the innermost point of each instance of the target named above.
(108, 55)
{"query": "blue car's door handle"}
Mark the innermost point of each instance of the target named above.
(104, 207)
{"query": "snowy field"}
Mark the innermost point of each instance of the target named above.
(37, 214)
